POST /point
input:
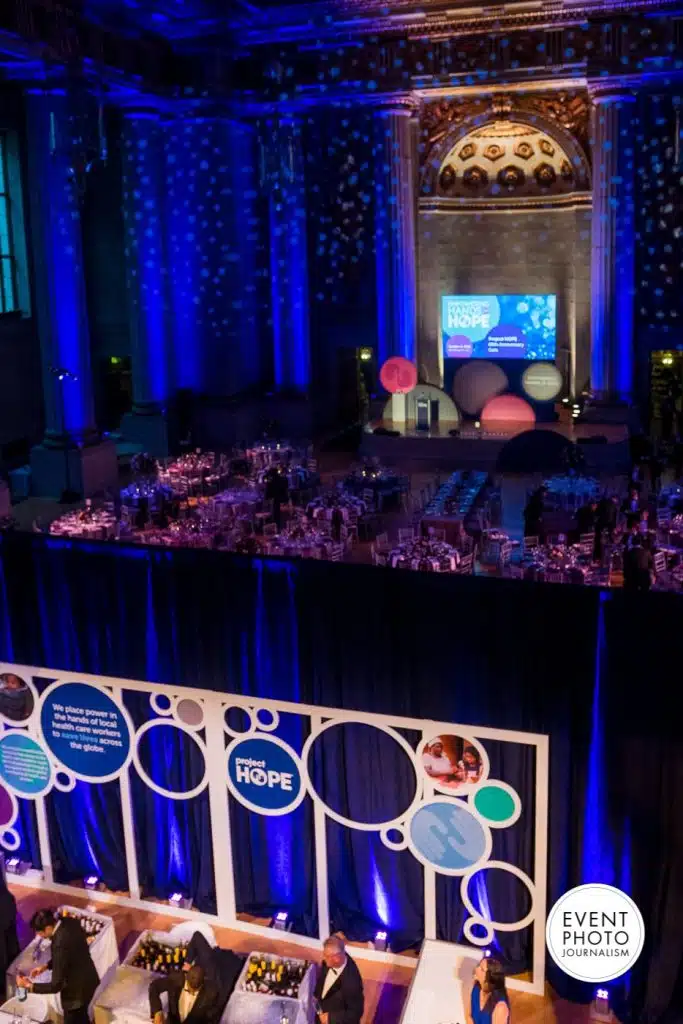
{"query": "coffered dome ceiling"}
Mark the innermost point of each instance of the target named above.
(504, 159)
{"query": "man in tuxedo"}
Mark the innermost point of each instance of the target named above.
(339, 989)
(221, 967)
(191, 998)
(74, 975)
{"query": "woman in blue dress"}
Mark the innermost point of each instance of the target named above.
(489, 1003)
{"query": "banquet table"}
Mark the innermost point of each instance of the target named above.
(385, 485)
(420, 554)
(452, 504)
(91, 524)
(256, 1008)
(104, 951)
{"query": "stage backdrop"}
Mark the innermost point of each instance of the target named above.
(448, 796)
(590, 669)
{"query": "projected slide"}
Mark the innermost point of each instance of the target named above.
(498, 326)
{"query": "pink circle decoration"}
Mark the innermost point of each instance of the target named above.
(477, 382)
(398, 375)
(7, 808)
(508, 409)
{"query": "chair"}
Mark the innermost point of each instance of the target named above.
(465, 566)
(505, 553)
(660, 562)
(270, 530)
(529, 544)
(407, 533)
(514, 572)
(436, 534)
(554, 577)
(587, 543)
(382, 541)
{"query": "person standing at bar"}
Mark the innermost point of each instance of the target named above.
(74, 975)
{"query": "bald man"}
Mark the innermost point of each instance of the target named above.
(339, 989)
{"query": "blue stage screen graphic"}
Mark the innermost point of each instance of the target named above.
(499, 326)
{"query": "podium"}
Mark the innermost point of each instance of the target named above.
(441, 986)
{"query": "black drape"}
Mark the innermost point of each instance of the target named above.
(590, 669)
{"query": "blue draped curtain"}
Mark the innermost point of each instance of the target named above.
(593, 672)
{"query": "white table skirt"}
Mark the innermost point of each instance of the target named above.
(104, 952)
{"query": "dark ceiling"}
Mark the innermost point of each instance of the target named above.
(183, 19)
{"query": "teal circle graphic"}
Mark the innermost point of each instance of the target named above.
(448, 836)
(24, 766)
(494, 803)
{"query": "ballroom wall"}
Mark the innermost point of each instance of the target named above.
(21, 413)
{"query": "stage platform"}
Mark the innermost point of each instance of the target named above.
(472, 448)
(387, 986)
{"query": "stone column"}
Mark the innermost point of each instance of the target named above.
(612, 255)
(395, 229)
(143, 168)
(72, 457)
(289, 254)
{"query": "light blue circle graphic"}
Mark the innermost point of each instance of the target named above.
(445, 834)
(85, 730)
(264, 774)
(23, 764)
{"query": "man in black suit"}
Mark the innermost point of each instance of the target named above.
(191, 998)
(339, 989)
(74, 975)
(221, 967)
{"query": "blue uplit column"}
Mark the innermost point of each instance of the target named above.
(395, 235)
(289, 254)
(613, 246)
(143, 167)
(53, 146)
(61, 125)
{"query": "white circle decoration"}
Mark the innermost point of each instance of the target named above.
(485, 803)
(448, 836)
(463, 788)
(478, 940)
(237, 733)
(542, 381)
(265, 774)
(393, 844)
(86, 730)
(595, 933)
(361, 826)
(64, 787)
(171, 794)
(500, 926)
(190, 713)
(10, 839)
(158, 708)
(271, 723)
(25, 768)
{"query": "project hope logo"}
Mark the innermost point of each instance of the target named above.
(264, 774)
(595, 933)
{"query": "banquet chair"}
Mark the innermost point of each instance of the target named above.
(436, 534)
(465, 566)
(336, 552)
(530, 544)
(505, 553)
(660, 562)
(514, 572)
(586, 543)
(382, 541)
(406, 533)
(368, 496)
(554, 577)
(270, 530)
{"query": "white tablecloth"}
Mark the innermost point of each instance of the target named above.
(441, 984)
(104, 952)
(256, 1008)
